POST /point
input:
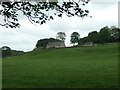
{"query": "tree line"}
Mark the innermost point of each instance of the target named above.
(105, 35)
(6, 52)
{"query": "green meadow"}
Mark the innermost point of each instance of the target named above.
(78, 67)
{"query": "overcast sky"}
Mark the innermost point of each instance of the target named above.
(25, 38)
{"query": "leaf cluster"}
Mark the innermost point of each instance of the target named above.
(38, 12)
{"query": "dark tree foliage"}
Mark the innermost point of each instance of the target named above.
(6, 51)
(43, 42)
(93, 37)
(104, 35)
(16, 53)
(75, 37)
(83, 40)
(36, 11)
(118, 34)
(115, 33)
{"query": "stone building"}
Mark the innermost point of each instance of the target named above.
(87, 44)
(56, 44)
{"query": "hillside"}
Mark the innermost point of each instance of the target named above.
(80, 67)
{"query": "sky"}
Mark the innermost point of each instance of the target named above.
(104, 13)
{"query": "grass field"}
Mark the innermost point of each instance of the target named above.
(83, 67)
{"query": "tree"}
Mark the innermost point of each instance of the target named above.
(93, 36)
(104, 35)
(61, 36)
(115, 33)
(75, 37)
(39, 12)
(83, 40)
(6, 51)
(42, 43)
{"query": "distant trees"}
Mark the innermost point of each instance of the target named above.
(105, 35)
(75, 37)
(61, 36)
(6, 51)
(115, 33)
(42, 43)
(93, 36)
(83, 40)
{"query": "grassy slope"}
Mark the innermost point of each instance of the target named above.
(69, 67)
